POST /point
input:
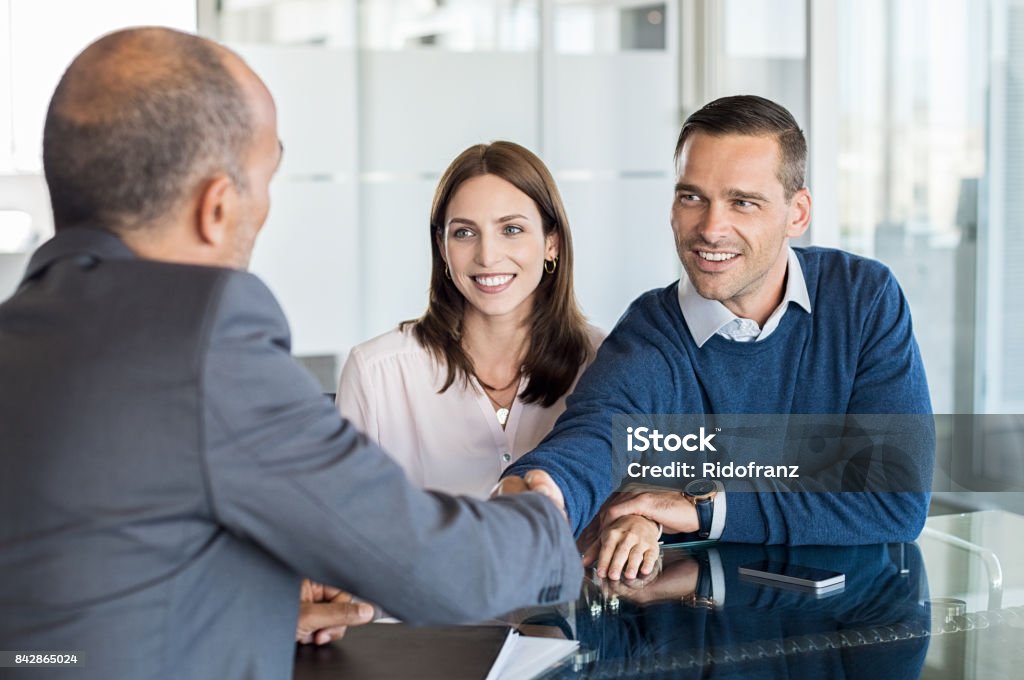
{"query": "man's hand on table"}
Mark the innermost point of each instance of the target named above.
(626, 548)
(628, 527)
(667, 507)
(326, 612)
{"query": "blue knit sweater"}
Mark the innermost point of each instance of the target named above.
(855, 353)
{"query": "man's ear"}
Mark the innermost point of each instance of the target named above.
(215, 217)
(799, 213)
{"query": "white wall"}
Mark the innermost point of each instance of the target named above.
(38, 39)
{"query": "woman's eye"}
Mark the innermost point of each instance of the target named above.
(513, 229)
(462, 232)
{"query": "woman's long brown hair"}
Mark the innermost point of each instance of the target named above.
(558, 335)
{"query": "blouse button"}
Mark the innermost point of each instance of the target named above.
(506, 456)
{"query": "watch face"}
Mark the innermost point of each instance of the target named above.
(700, 487)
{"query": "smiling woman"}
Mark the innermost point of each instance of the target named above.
(494, 243)
(460, 393)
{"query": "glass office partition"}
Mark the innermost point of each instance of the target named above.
(920, 119)
(1001, 242)
(612, 119)
(308, 251)
(376, 98)
(434, 79)
(760, 47)
(912, 150)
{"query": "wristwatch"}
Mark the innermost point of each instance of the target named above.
(702, 492)
(703, 596)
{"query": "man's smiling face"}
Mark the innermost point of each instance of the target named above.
(732, 220)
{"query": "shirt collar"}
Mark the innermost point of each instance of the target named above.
(705, 317)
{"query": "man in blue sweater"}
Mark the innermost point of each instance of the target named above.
(754, 327)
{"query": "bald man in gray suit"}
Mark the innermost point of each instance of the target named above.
(167, 472)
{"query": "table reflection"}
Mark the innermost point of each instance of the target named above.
(699, 618)
(947, 607)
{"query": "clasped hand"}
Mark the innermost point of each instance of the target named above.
(325, 613)
(622, 541)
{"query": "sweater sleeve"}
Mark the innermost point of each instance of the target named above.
(889, 380)
(578, 453)
(890, 374)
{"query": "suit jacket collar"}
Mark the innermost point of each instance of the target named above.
(85, 242)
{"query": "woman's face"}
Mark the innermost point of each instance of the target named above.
(495, 247)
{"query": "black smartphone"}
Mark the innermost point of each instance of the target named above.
(793, 574)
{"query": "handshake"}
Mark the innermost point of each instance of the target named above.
(537, 481)
(622, 542)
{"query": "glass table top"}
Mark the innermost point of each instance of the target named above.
(950, 605)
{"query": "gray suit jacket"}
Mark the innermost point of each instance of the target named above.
(167, 474)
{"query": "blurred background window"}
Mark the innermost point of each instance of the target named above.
(914, 112)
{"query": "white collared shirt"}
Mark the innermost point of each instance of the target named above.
(706, 317)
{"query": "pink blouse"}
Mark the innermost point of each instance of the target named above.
(451, 441)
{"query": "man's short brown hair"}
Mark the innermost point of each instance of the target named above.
(755, 116)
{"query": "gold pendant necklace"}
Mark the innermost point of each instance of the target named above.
(502, 411)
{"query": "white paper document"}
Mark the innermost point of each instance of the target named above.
(528, 657)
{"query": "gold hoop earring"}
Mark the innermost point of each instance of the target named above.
(554, 265)
(447, 273)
